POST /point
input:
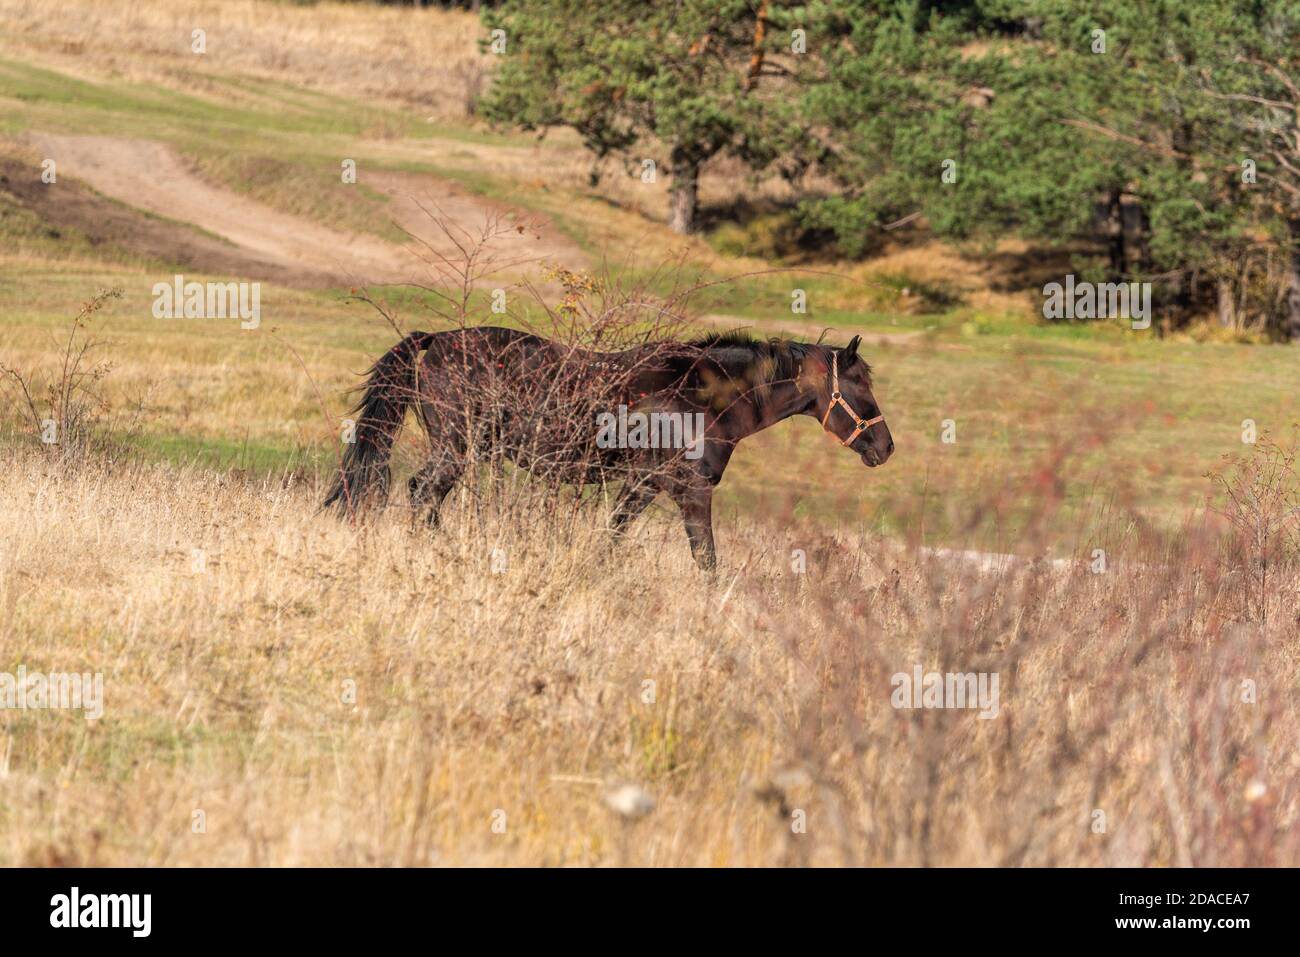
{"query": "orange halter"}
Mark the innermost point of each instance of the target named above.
(837, 399)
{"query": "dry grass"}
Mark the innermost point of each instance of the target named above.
(425, 58)
(524, 692)
(898, 279)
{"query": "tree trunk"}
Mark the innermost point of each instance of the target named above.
(1291, 311)
(756, 58)
(1139, 225)
(1227, 304)
(683, 193)
(1115, 249)
(1288, 323)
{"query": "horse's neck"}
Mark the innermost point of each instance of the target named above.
(784, 399)
(791, 398)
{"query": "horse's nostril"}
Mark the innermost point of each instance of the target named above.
(891, 446)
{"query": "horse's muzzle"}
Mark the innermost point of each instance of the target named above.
(873, 455)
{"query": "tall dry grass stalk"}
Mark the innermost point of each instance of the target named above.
(61, 405)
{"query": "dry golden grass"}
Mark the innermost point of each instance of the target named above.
(428, 58)
(228, 619)
(981, 284)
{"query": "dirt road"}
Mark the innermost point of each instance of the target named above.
(150, 176)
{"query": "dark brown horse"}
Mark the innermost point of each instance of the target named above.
(660, 417)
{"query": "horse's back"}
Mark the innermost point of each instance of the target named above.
(475, 337)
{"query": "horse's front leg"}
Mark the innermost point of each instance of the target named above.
(697, 512)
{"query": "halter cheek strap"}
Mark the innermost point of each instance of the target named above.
(837, 399)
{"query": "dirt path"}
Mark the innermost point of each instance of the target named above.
(152, 177)
(417, 200)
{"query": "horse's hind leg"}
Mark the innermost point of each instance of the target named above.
(430, 485)
(447, 462)
(634, 498)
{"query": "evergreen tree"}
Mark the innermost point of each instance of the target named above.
(631, 77)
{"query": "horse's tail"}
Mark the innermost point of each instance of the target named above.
(363, 472)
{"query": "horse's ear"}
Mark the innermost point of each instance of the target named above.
(850, 352)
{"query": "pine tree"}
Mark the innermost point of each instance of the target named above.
(633, 78)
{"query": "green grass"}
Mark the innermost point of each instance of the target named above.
(262, 458)
(55, 102)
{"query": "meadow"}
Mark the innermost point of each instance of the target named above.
(325, 692)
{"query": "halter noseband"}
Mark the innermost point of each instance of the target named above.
(837, 399)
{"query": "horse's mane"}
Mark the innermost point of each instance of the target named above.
(779, 358)
(732, 337)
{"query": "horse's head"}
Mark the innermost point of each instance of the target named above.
(847, 408)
